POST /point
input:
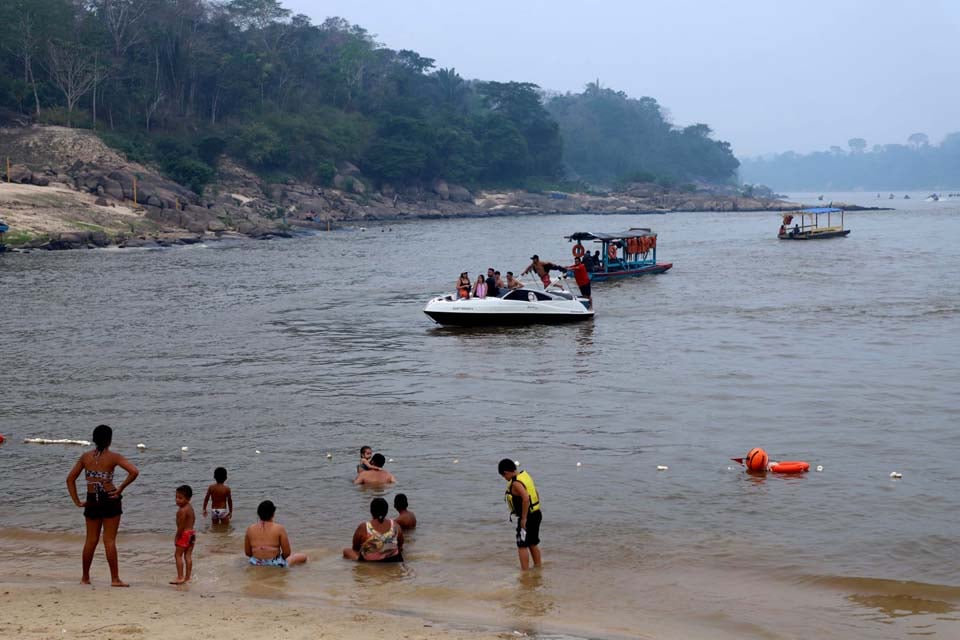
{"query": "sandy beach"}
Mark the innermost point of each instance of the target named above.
(65, 610)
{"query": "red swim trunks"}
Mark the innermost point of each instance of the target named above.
(545, 278)
(186, 539)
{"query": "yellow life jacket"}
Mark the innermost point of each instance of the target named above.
(523, 478)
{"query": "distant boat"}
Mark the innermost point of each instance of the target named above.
(933, 198)
(808, 228)
(622, 254)
(906, 196)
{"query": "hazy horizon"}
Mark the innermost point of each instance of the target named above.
(766, 78)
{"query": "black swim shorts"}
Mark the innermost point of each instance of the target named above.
(533, 530)
(100, 506)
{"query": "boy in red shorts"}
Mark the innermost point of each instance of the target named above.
(185, 537)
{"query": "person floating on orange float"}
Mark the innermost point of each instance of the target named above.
(757, 461)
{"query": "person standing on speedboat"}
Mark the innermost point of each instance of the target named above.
(542, 269)
(582, 278)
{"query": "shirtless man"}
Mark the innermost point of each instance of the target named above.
(513, 283)
(542, 269)
(375, 476)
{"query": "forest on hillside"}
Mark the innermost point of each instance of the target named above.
(177, 83)
(915, 165)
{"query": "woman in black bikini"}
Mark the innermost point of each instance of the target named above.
(102, 507)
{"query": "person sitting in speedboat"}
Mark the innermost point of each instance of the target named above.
(463, 286)
(480, 287)
(513, 283)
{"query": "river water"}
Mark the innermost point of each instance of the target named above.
(843, 353)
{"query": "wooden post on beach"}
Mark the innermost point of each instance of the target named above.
(328, 224)
(134, 192)
(8, 168)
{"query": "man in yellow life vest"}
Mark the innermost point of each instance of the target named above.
(524, 502)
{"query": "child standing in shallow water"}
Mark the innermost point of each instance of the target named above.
(219, 493)
(406, 518)
(185, 537)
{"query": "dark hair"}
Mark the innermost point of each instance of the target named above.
(220, 474)
(378, 460)
(379, 508)
(265, 510)
(102, 436)
(364, 448)
(506, 465)
(510, 273)
(186, 490)
(497, 272)
(400, 502)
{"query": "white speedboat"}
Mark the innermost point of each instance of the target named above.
(515, 307)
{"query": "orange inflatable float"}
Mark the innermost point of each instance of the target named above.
(790, 466)
(758, 461)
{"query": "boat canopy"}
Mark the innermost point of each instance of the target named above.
(606, 237)
(821, 210)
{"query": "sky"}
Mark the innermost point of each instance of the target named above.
(767, 75)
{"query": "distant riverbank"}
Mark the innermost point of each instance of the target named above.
(67, 190)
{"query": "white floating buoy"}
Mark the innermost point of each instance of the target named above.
(184, 449)
(329, 456)
(256, 451)
(82, 443)
(895, 475)
(141, 446)
(456, 460)
(729, 468)
(516, 462)
(579, 464)
(819, 467)
(662, 467)
(390, 460)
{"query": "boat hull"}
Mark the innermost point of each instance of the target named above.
(455, 319)
(600, 276)
(815, 236)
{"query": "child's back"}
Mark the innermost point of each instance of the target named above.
(220, 497)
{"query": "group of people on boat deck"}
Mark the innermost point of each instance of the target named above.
(493, 285)
(486, 287)
(793, 232)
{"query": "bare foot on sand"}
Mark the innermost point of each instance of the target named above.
(178, 581)
(84, 580)
(119, 583)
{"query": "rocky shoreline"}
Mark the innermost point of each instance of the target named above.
(67, 190)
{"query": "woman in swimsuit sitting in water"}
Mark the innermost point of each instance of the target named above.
(102, 507)
(266, 543)
(377, 540)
